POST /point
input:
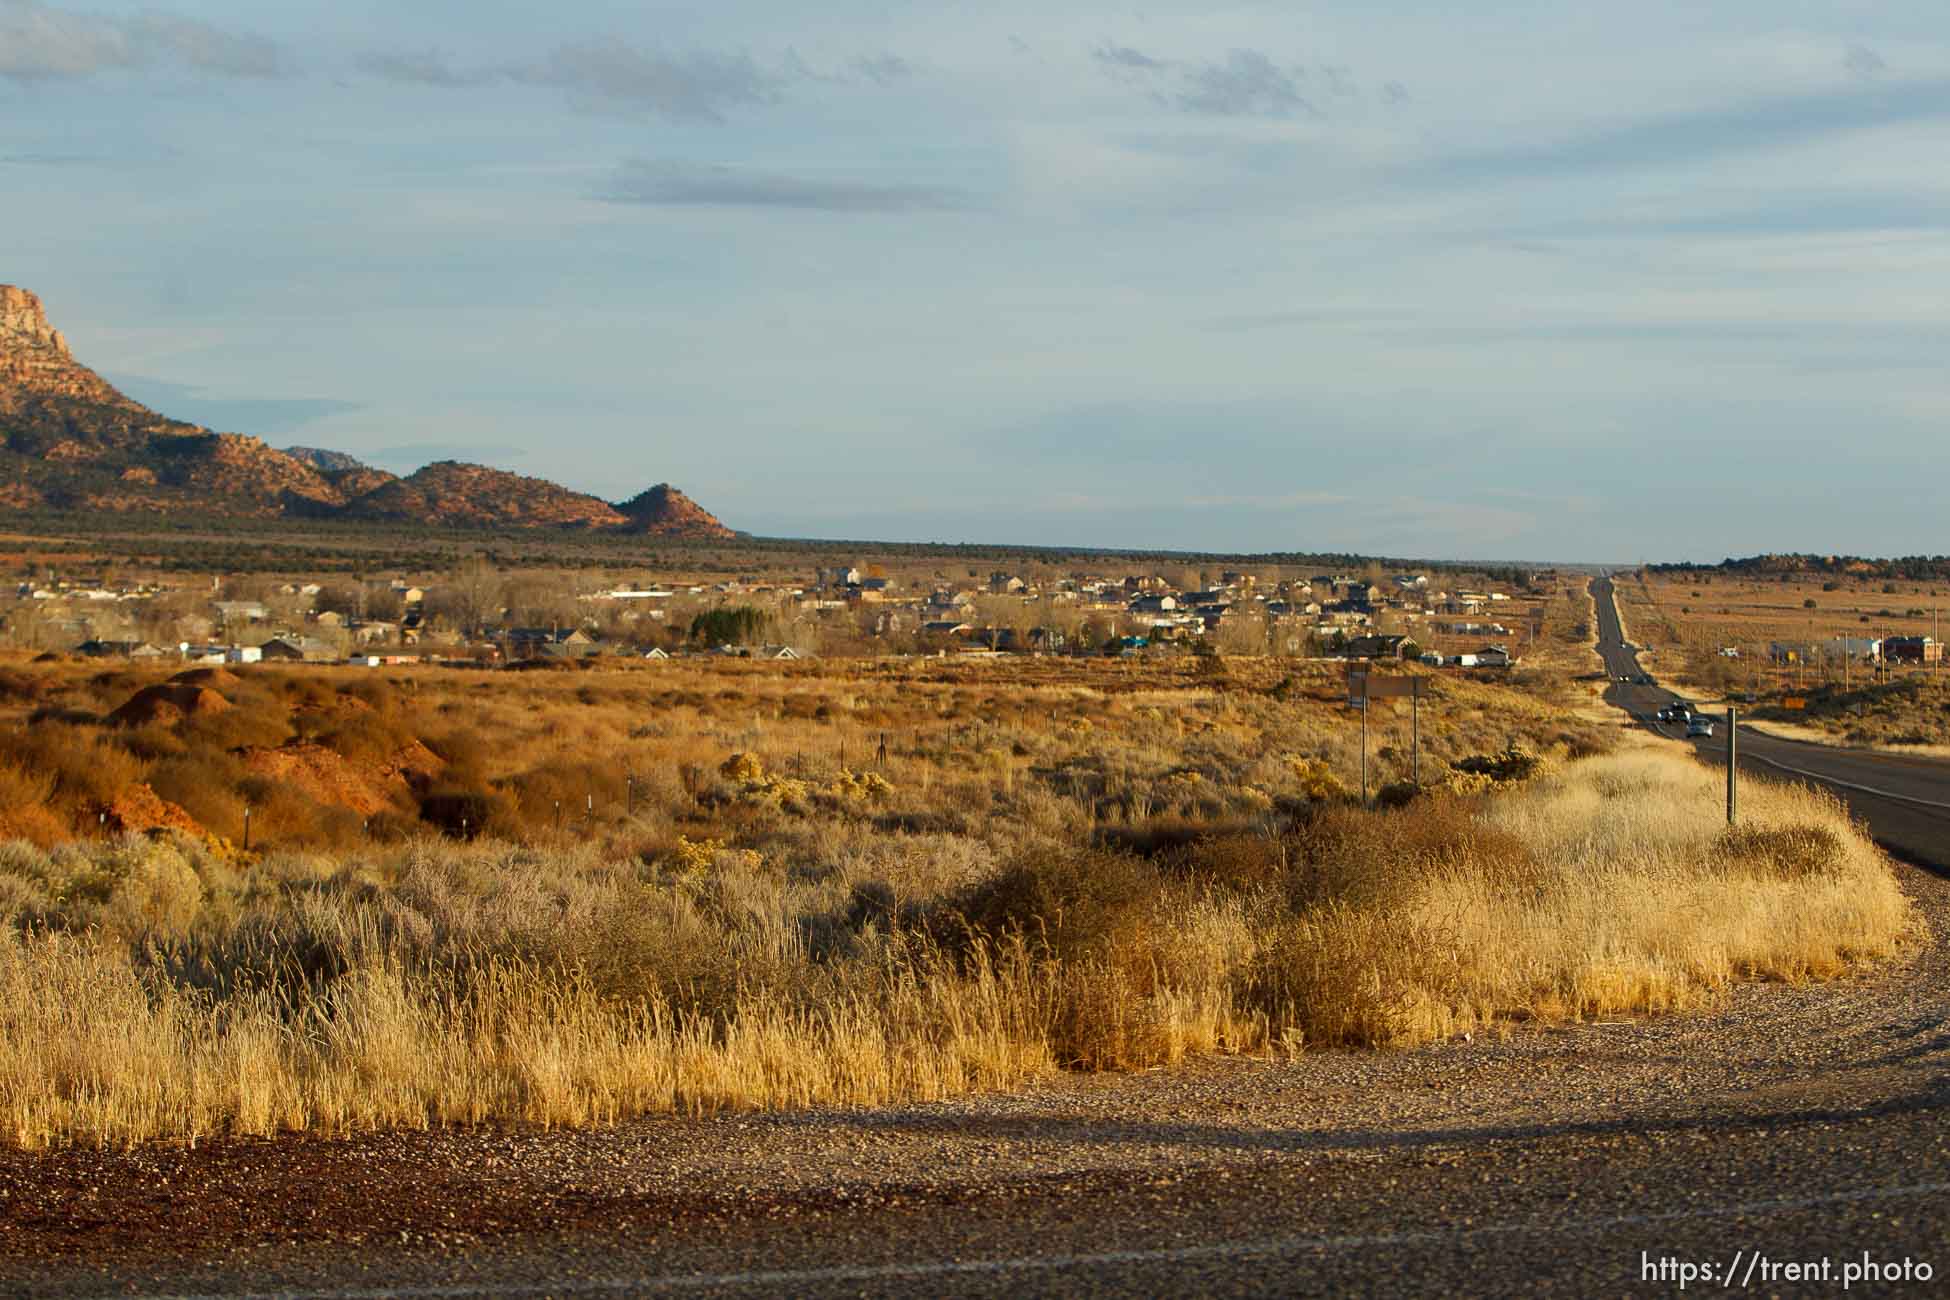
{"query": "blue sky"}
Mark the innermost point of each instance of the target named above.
(1520, 280)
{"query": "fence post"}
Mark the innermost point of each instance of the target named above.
(247, 828)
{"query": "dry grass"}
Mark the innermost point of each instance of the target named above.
(154, 988)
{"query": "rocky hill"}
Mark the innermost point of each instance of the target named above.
(453, 494)
(70, 440)
(663, 511)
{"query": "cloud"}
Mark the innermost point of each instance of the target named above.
(612, 76)
(38, 43)
(882, 69)
(419, 68)
(698, 86)
(1671, 139)
(713, 184)
(1124, 58)
(1863, 62)
(1247, 84)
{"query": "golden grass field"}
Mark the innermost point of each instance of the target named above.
(690, 886)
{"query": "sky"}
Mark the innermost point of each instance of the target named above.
(1518, 280)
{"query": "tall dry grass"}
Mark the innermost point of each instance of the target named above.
(151, 989)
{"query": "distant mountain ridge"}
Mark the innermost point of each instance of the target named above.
(70, 440)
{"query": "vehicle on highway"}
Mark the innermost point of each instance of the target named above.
(1644, 679)
(1699, 726)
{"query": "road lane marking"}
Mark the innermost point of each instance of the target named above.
(1847, 785)
(783, 1278)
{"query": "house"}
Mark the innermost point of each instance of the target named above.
(533, 642)
(1493, 656)
(656, 652)
(245, 611)
(298, 649)
(118, 650)
(1913, 650)
(1154, 604)
(244, 654)
(1382, 645)
(330, 618)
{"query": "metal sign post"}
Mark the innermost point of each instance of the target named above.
(1733, 765)
(1364, 751)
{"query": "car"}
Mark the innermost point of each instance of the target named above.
(1644, 679)
(1664, 714)
(1699, 726)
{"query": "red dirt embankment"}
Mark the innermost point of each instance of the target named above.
(167, 704)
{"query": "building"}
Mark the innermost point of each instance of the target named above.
(1386, 645)
(1913, 650)
(298, 649)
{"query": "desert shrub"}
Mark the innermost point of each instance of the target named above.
(1164, 836)
(22, 786)
(1239, 863)
(1343, 976)
(932, 821)
(564, 787)
(380, 694)
(366, 736)
(204, 785)
(62, 715)
(1781, 852)
(1514, 764)
(1064, 902)
(465, 751)
(153, 741)
(1383, 860)
(20, 688)
(243, 726)
(467, 813)
(280, 812)
(87, 767)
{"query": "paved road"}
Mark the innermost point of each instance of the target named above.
(1904, 799)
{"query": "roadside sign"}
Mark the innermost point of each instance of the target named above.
(1363, 685)
(1795, 702)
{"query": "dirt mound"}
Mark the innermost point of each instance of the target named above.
(140, 808)
(216, 679)
(327, 777)
(167, 704)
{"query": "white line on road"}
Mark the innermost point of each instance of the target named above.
(793, 1278)
(1847, 785)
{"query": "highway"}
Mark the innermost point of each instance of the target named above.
(1904, 799)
